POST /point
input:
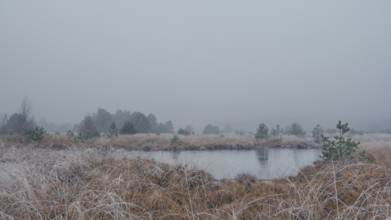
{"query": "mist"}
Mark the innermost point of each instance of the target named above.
(199, 62)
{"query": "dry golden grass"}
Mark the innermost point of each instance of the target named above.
(79, 183)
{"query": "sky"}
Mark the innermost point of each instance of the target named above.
(197, 62)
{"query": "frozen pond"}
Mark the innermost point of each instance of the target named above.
(263, 163)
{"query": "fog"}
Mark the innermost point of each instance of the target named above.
(198, 62)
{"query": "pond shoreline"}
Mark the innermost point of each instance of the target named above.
(263, 163)
(148, 148)
(148, 142)
(217, 147)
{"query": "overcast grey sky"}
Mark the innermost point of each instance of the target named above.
(198, 61)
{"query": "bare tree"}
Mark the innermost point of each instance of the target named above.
(87, 128)
(26, 123)
(19, 123)
(3, 121)
(25, 108)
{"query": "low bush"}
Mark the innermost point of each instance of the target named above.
(36, 134)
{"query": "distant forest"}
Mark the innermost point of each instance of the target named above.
(126, 122)
(100, 122)
(103, 120)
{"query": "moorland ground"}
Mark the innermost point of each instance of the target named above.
(84, 182)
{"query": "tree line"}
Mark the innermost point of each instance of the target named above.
(123, 122)
(101, 122)
(126, 122)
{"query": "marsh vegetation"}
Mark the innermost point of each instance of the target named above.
(84, 182)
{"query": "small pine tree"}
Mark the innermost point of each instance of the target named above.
(341, 148)
(175, 141)
(113, 131)
(262, 132)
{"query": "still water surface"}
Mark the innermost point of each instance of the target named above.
(263, 163)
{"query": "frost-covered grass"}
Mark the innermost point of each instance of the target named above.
(89, 183)
(370, 141)
(204, 142)
(163, 142)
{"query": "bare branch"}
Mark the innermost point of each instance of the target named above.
(25, 108)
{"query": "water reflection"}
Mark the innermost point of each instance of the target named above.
(263, 156)
(296, 157)
(175, 154)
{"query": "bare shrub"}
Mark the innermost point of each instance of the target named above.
(87, 128)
